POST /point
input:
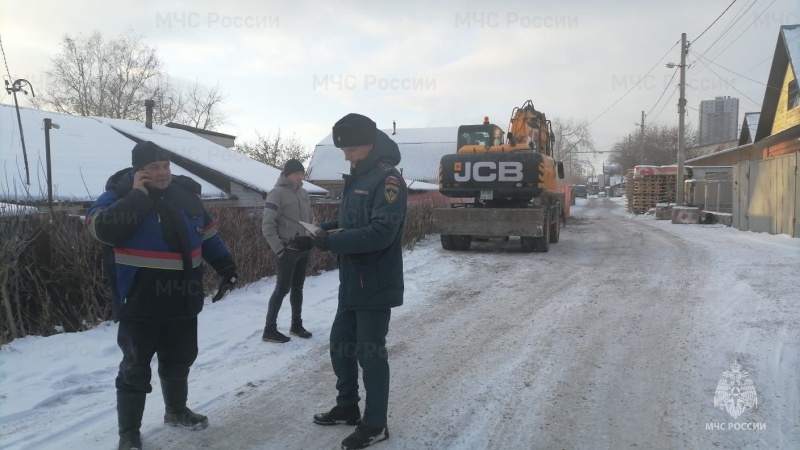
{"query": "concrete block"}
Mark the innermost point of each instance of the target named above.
(685, 214)
(707, 217)
(663, 211)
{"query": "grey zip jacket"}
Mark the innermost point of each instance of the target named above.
(286, 205)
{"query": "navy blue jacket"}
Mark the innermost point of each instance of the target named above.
(153, 247)
(372, 214)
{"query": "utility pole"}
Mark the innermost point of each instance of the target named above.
(16, 86)
(644, 151)
(48, 124)
(681, 114)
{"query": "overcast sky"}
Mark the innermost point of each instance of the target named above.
(300, 65)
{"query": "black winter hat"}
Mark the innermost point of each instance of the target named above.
(145, 153)
(354, 130)
(293, 166)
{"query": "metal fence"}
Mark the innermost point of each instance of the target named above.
(713, 194)
(767, 194)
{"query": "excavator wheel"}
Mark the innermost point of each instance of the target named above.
(527, 243)
(447, 242)
(541, 244)
(462, 243)
(555, 230)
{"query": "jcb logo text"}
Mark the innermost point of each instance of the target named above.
(488, 171)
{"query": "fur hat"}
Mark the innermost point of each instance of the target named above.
(293, 166)
(145, 153)
(354, 130)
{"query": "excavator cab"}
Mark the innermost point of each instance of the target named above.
(484, 135)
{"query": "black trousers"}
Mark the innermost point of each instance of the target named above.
(359, 337)
(175, 343)
(291, 277)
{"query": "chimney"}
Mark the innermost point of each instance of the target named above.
(394, 128)
(148, 118)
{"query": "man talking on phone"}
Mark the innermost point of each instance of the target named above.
(155, 233)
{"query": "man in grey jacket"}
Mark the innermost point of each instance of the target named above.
(286, 205)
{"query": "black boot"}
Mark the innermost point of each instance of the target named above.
(271, 334)
(298, 330)
(130, 407)
(349, 415)
(365, 436)
(177, 414)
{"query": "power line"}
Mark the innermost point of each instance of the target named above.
(745, 29)
(732, 86)
(662, 93)
(634, 86)
(740, 75)
(735, 20)
(665, 104)
(5, 60)
(715, 21)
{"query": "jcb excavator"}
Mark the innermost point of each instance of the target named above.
(510, 186)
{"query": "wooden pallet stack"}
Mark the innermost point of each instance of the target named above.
(644, 192)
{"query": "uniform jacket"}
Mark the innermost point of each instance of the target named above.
(372, 214)
(286, 204)
(153, 246)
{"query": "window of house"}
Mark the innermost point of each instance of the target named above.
(794, 95)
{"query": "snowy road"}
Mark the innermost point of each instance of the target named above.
(607, 341)
(616, 338)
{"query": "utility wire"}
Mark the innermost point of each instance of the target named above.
(735, 20)
(715, 21)
(665, 104)
(726, 82)
(635, 84)
(740, 75)
(5, 60)
(674, 72)
(745, 29)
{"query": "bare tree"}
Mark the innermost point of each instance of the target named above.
(573, 144)
(95, 77)
(658, 147)
(201, 107)
(92, 76)
(168, 100)
(274, 150)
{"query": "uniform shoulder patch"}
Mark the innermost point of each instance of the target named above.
(391, 192)
(270, 205)
(391, 179)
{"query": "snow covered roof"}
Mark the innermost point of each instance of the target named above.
(11, 209)
(791, 35)
(85, 151)
(752, 122)
(421, 149)
(749, 127)
(421, 185)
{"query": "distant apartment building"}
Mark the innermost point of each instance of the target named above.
(719, 119)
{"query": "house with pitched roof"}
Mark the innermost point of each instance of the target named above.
(765, 180)
(749, 127)
(85, 151)
(421, 149)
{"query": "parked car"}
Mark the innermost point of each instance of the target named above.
(581, 191)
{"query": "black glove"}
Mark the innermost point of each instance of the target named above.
(225, 285)
(321, 240)
(301, 243)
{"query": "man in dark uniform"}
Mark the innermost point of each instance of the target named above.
(155, 233)
(369, 244)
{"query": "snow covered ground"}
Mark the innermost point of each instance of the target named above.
(616, 338)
